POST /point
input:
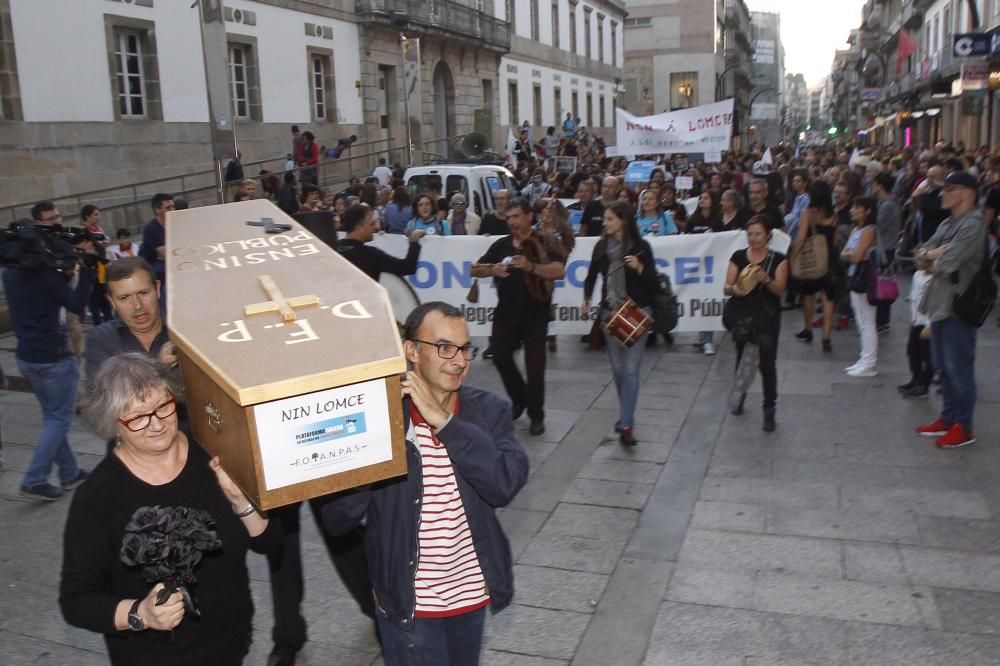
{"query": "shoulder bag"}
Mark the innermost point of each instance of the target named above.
(812, 261)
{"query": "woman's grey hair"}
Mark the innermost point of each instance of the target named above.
(123, 379)
(735, 196)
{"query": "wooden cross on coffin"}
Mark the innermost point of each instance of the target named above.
(278, 302)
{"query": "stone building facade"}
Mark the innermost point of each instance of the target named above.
(132, 105)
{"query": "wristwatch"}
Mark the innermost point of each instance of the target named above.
(135, 622)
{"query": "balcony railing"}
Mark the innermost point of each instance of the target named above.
(444, 15)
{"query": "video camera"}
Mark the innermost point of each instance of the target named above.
(24, 244)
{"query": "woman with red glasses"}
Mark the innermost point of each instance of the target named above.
(158, 513)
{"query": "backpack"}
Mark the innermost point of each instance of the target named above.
(664, 306)
(974, 304)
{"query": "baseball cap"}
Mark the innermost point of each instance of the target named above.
(962, 179)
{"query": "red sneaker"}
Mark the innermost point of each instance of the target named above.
(818, 322)
(842, 323)
(955, 437)
(935, 429)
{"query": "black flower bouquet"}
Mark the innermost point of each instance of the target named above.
(168, 542)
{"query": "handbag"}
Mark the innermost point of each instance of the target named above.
(858, 282)
(812, 261)
(974, 304)
(473, 295)
(883, 289)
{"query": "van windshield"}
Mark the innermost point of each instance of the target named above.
(453, 184)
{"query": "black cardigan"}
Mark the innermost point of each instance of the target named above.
(640, 287)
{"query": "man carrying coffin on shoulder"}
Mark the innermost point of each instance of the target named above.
(436, 552)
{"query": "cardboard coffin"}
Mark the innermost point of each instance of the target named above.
(290, 355)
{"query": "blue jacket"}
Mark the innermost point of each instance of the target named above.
(490, 467)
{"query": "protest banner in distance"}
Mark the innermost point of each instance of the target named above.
(696, 265)
(701, 129)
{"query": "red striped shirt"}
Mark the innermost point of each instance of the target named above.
(448, 580)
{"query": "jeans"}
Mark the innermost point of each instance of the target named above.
(54, 385)
(438, 641)
(626, 363)
(953, 347)
(529, 394)
(864, 319)
(706, 337)
(287, 590)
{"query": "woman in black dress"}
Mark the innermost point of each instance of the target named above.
(758, 290)
(156, 471)
(818, 218)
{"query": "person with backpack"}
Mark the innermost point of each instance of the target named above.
(954, 256)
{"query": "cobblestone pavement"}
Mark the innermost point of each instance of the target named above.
(841, 538)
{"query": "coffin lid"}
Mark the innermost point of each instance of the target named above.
(214, 264)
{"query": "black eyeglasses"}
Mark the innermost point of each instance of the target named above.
(141, 422)
(446, 350)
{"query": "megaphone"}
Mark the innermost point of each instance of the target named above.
(472, 146)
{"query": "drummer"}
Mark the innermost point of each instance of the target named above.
(625, 263)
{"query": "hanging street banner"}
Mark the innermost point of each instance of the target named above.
(701, 129)
(696, 265)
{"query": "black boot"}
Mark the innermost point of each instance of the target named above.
(805, 335)
(769, 424)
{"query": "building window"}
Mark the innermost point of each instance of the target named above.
(132, 68)
(590, 110)
(510, 7)
(614, 44)
(557, 105)
(243, 81)
(131, 85)
(487, 94)
(238, 80)
(576, 105)
(600, 39)
(683, 90)
(639, 22)
(534, 20)
(946, 26)
(321, 85)
(572, 28)
(537, 99)
(937, 32)
(600, 110)
(555, 24)
(586, 31)
(512, 108)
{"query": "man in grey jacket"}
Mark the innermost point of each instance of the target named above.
(888, 223)
(953, 255)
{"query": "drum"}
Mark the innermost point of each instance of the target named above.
(627, 323)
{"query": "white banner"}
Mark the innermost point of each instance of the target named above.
(702, 129)
(696, 265)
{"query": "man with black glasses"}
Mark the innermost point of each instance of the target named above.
(436, 552)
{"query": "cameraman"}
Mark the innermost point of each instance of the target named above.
(36, 297)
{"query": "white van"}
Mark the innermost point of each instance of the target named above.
(478, 182)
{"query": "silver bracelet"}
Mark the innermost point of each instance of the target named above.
(247, 511)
